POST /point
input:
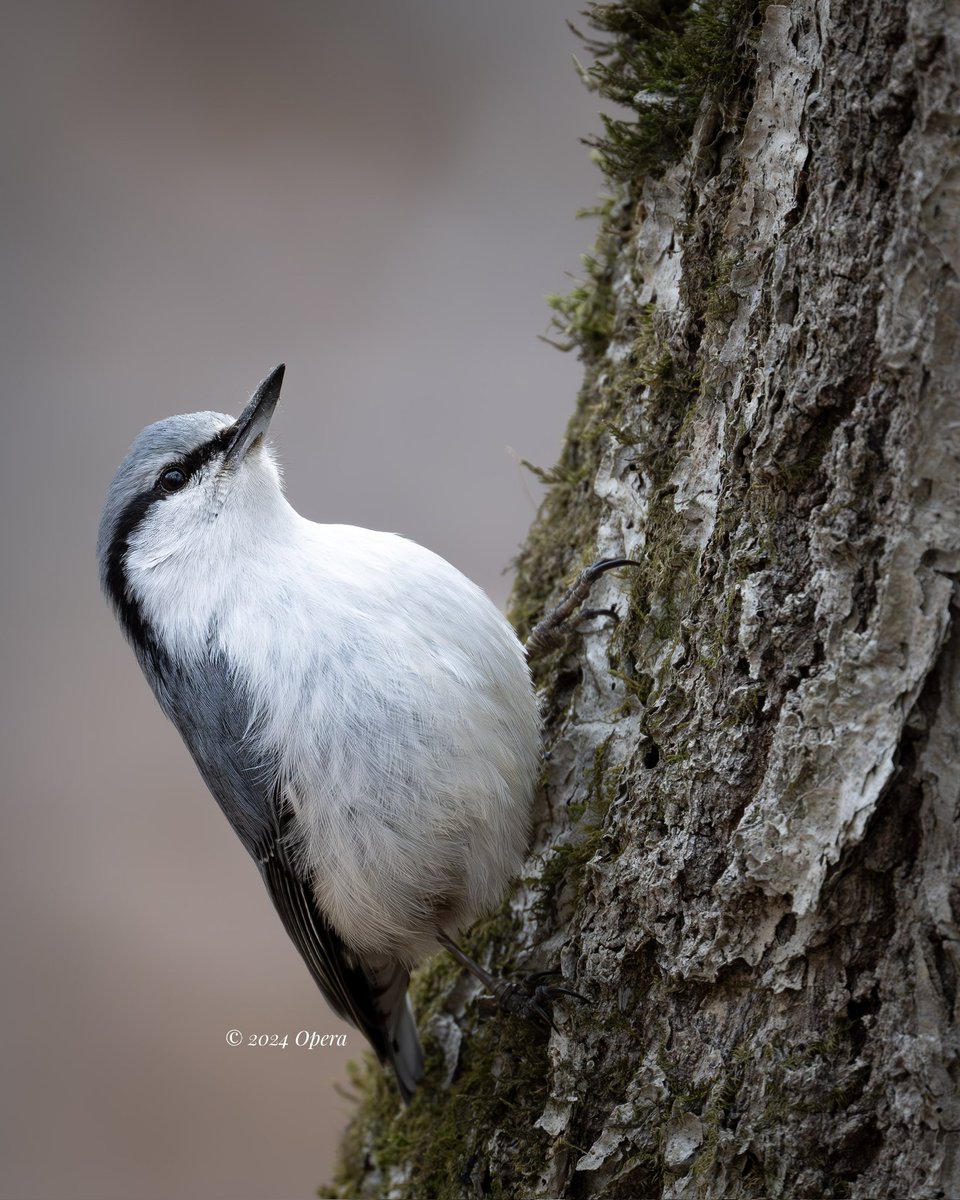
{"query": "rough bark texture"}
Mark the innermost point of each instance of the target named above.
(746, 852)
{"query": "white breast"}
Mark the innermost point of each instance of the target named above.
(397, 698)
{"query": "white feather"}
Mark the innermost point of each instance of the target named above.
(394, 694)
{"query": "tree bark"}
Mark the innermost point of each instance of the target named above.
(746, 850)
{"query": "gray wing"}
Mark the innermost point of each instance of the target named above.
(371, 996)
(209, 710)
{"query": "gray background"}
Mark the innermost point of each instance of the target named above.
(380, 195)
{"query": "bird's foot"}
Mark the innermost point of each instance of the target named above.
(551, 629)
(529, 997)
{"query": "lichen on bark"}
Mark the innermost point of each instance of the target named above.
(746, 847)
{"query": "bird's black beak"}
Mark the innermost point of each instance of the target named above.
(255, 418)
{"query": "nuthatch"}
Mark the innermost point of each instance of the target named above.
(362, 713)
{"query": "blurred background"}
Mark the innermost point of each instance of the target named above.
(380, 195)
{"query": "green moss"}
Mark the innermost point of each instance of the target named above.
(568, 859)
(652, 380)
(437, 1141)
(584, 318)
(810, 1076)
(795, 1076)
(798, 471)
(746, 707)
(441, 1133)
(663, 589)
(720, 1099)
(563, 538)
(719, 299)
(660, 59)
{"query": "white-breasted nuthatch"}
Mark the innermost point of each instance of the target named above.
(361, 711)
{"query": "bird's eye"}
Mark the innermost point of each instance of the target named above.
(172, 479)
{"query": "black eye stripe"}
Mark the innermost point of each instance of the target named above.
(191, 463)
(115, 576)
(129, 521)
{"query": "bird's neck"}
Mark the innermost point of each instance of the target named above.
(188, 585)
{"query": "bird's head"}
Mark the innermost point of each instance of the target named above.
(190, 492)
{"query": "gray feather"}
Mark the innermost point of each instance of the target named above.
(208, 708)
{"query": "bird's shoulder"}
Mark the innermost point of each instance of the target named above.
(366, 569)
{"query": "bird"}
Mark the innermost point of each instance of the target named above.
(363, 714)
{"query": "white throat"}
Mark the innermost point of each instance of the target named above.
(196, 556)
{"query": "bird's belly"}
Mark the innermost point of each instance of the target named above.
(408, 743)
(406, 820)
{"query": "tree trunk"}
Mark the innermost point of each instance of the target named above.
(746, 851)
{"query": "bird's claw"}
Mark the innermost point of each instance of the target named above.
(549, 631)
(528, 997)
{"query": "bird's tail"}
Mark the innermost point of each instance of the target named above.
(401, 1047)
(406, 1053)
